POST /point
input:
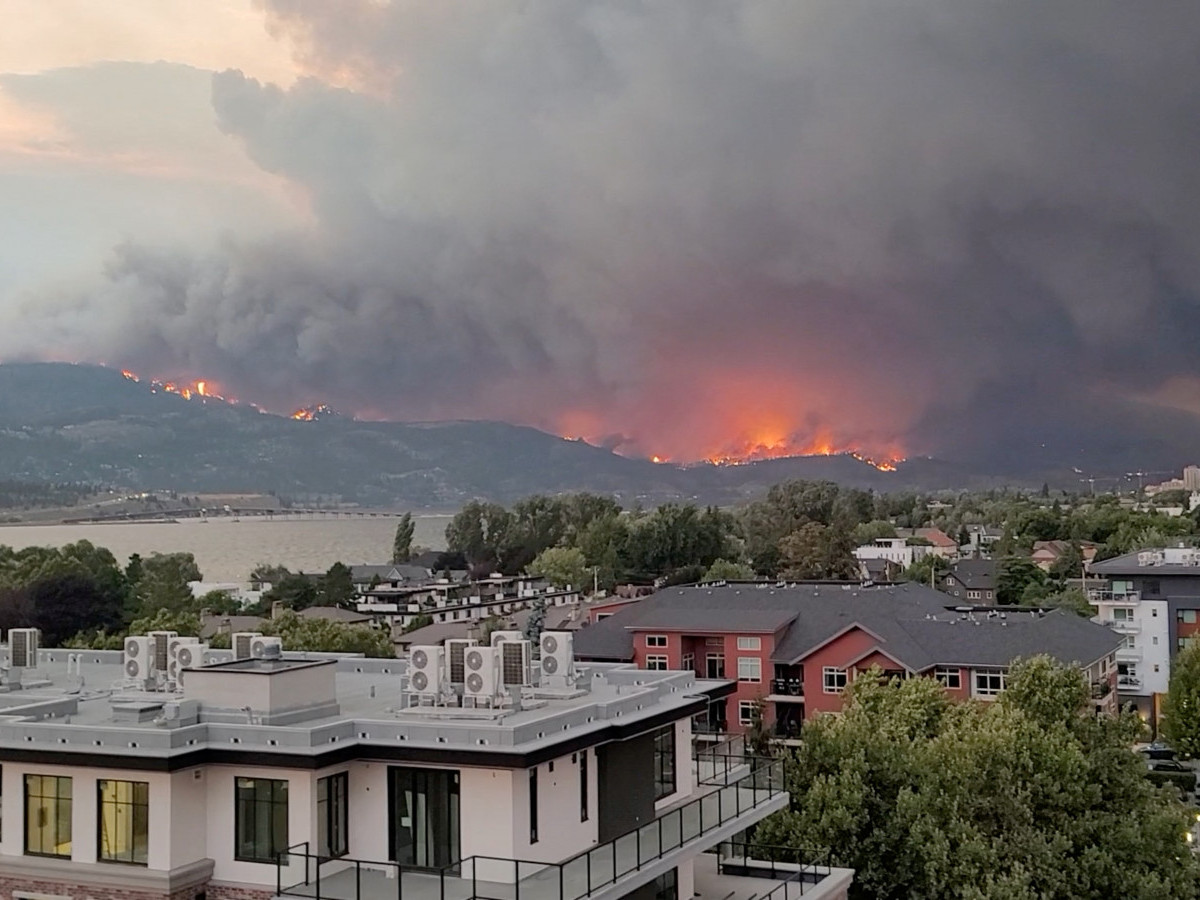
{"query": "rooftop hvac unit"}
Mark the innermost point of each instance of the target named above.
(558, 655)
(499, 637)
(516, 663)
(139, 658)
(189, 656)
(266, 647)
(240, 642)
(455, 648)
(425, 670)
(22, 648)
(480, 664)
(162, 647)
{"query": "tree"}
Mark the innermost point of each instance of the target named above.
(164, 583)
(1025, 797)
(867, 532)
(1069, 563)
(724, 570)
(816, 551)
(419, 621)
(927, 569)
(561, 566)
(323, 636)
(336, 587)
(1015, 578)
(478, 531)
(294, 591)
(1181, 709)
(402, 542)
(65, 604)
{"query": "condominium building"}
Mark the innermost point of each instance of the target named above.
(1151, 598)
(793, 648)
(461, 772)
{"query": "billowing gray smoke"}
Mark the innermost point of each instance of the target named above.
(965, 228)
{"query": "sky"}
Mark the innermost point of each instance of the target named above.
(689, 229)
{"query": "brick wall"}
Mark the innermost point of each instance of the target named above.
(95, 892)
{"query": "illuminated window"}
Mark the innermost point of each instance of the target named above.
(124, 821)
(48, 815)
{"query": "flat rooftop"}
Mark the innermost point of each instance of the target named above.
(87, 712)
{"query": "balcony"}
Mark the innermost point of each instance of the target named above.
(1128, 682)
(1129, 654)
(735, 794)
(1123, 626)
(786, 690)
(761, 872)
(1103, 596)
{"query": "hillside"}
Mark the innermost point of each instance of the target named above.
(61, 422)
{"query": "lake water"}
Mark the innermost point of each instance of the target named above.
(229, 549)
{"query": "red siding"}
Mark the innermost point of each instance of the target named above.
(837, 653)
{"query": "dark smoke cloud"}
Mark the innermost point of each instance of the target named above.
(967, 228)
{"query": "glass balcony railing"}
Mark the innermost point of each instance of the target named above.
(728, 791)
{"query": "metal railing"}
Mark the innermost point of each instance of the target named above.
(787, 687)
(737, 788)
(796, 869)
(1102, 596)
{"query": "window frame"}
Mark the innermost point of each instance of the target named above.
(666, 780)
(656, 662)
(709, 659)
(272, 804)
(57, 813)
(749, 642)
(334, 819)
(746, 712)
(990, 690)
(831, 674)
(945, 674)
(583, 785)
(750, 662)
(533, 805)
(656, 640)
(130, 808)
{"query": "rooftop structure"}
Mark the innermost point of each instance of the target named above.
(462, 772)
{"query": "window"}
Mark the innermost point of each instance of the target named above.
(974, 595)
(658, 663)
(950, 677)
(600, 617)
(988, 682)
(749, 668)
(124, 821)
(1187, 616)
(333, 815)
(1151, 586)
(583, 786)
(260, 819)
(715, 665)
(533, 806)
(666, 885)
(48, 815)
(664, 762)
(1183, 643)
(988, 594)
(834, 679)
(1154, 640)
(656, 640)
(749, 643)
(745, 712)
(689, 662)
(1122, 614)
(1156, 667)
(1154, 612)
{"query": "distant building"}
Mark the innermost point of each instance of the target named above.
(1046, 553)
(1191, 478)
(893, 549)
(794, 648)
(971, 581)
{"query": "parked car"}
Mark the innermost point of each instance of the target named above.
(1157, 750)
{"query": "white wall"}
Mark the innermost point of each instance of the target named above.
(189, 825)
(84, 810)
(561, 834)
(1154, 640)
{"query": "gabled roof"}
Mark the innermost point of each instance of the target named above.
(937, 537)
(395, 572)
(910, 623)
(976, 574)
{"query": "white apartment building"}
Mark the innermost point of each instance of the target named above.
(896, 550)
(1144, 658)
(459, 773)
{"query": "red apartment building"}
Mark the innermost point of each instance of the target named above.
(796, 647)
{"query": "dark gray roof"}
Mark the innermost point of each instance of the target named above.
(1128, 565)
(401, 571)
(705, 619)
(976, 574)
(913, 623)
(334, 614)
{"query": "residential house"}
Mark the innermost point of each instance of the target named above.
(981, 538)
(307, 777)
(973, 581)
(794, 648)
(1046, 553)
(894, 549)
(940, 543)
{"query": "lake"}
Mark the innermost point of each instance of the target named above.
(229, 549)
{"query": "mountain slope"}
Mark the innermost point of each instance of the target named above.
(63, 422)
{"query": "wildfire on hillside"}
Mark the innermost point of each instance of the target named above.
(202, 388)
(311, 413)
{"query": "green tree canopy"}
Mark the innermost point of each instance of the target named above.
(726, 570)
(561, 566)
(1028, 796)
(402, 547)
(1181, 709)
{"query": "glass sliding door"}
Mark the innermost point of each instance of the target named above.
(423, 817)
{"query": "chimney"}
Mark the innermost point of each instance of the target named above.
(276, 609)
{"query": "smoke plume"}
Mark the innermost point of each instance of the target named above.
(698, 228)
